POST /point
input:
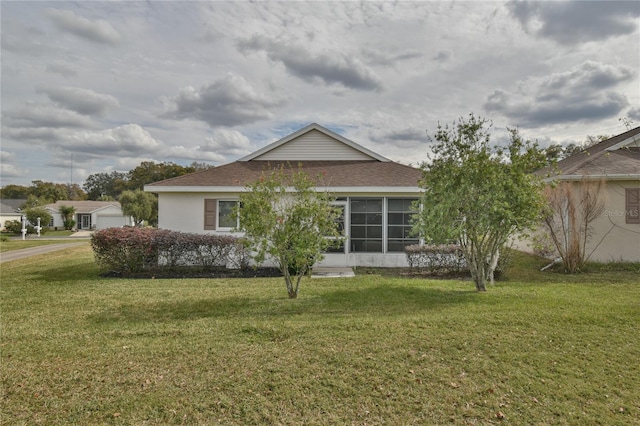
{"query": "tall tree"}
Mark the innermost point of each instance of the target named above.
(106, 185)
(293, 228)
(15, 192)
(477, 194)
(149, 172)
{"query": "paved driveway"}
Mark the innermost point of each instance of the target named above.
(33, 251)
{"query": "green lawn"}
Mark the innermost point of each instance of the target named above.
(32, 242)
(537, 349)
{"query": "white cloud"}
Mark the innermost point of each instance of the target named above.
(227, 142)
(98, 30)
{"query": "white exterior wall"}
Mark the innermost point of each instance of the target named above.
(184, 212)
(313, 145)
(9, 217)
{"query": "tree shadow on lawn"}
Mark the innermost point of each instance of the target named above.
(384, 300)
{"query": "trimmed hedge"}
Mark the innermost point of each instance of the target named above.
(436, 258)
(128, 250)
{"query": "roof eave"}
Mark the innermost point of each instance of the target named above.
(619, 176)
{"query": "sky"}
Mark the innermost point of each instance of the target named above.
(92, 86)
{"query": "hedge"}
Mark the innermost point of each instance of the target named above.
(436, 258)
(129, 249)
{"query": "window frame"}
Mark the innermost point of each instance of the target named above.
(219, 211)
(405, 213)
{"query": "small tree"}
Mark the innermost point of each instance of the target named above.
(34, 213)
(571, 210)
(477, 194)
(286, 219)
(67, 213)
(140, 205)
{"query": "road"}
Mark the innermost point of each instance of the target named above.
(34, 251)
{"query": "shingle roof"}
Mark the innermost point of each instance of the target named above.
(334, 174)
(86, 206)
(601, 159)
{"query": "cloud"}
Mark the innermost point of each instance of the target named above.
(228, 142)
(328, 67)
(82, 101)
(230, 101)
(571, 22)
(634, 114)
(7, 166)
(39, 115)
(585, 92)
(62, 69)
(98, 31)
(443, 56)
(130, 140)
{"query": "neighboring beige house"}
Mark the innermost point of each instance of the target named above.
(616, 232)
(375, 194)
(90, 215)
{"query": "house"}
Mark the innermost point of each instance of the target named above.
(616, 231)
(374, 193)
(10, 210)
(90, 214)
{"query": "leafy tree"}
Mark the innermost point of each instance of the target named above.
(106, 185)
(67, 213)
(34, 213)
(477, 194)
(149, 172)
(140, 205)
(49, 192)
(15, 192)
(289, 227)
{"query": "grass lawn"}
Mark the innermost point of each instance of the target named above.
(541, 348)
(20, 244)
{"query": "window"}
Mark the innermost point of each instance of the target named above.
(219, 214)
(399, 212)
(226, 216)
(340, 226)
(366, 225)
(632, 205)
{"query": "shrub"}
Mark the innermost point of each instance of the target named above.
(15, 227)
(130, 249)
(435, 258)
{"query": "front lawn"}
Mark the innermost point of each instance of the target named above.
(11, 245)
(536, 349)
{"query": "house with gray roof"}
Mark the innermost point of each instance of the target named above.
(10, 210)
(616, 231)
(374, 194)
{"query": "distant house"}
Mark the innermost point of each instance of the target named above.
(616, 232)
(374, 193)
(10, 210)
(90, 214)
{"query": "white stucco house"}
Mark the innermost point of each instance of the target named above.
(90, 215)
(375, 194)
